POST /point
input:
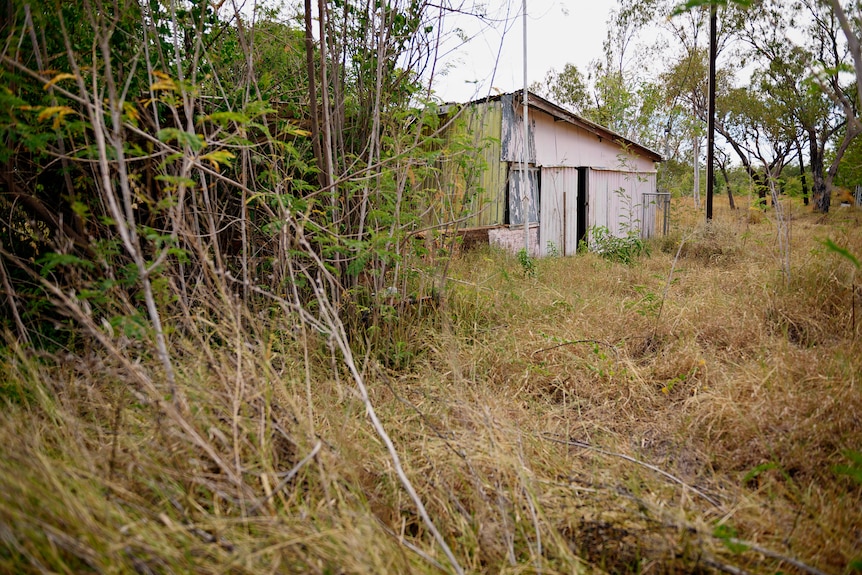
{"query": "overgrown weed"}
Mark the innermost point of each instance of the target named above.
(554, 422)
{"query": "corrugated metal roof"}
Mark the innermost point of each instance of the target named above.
(558, 113)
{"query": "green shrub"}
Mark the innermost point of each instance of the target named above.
(624, 249)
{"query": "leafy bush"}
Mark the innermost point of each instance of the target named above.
(624, 249)
(527, 263)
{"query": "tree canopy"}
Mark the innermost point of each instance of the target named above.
(785, 88)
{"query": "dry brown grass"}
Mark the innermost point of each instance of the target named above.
(590, 418)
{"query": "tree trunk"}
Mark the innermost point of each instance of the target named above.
(760, 186)
(802, 173)
(851, 131)
(312, 96)
(723, 167)
(819, 193)
(696, 154)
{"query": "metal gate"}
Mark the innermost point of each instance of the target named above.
(656, 214)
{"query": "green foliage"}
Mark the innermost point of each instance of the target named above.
(182, 138)
(758, 470)
(694, 4)
(853, 470)
(567, 88)
(528, 264)
(728, 535)
(649, 303)
(51, 260)
(229, 189)
(624, 249)
(843, 252)
(849, 173)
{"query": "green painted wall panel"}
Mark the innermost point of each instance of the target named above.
(479, 189)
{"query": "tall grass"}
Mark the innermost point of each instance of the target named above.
(589, 417)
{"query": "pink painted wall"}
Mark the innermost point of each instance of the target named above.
(617, 199)
(559, 143)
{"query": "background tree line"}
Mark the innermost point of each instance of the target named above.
(786, 90)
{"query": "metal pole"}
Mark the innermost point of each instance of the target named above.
(525, 193)
(710, 152)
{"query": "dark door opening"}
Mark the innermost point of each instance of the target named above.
(583, 204)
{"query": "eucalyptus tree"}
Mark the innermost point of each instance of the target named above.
(625, 94)
(568, 88)
(722, 158)
(849, 20)
(686, 86)
(849, 173)
(805, 78)
(757, 129)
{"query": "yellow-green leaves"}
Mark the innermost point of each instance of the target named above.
(164, 82)
(217, 158)
(294, 131)
(224, 118)
(58, 78)
(56, 112)
(195, 143)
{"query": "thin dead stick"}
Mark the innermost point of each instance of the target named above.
(287, 478)
(419, 412)
(337, 333)
(72, 306)
(724, 567)
(673, 478)
(411, 547)
(329, 323)
(675, 523)
(769, 553)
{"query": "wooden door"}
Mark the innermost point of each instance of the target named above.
(558, 220)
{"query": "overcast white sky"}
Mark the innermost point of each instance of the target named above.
(558, 32)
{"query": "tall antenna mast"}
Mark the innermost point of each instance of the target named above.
(525, 192)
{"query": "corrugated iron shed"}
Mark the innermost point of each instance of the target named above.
(581, 174)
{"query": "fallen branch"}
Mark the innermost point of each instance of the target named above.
(774, 555)
(724, 567)
(662, 472)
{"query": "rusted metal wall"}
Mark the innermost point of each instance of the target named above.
(512, 132)
(516, 195)
(558, 222)
(616, 199)
(473, 179)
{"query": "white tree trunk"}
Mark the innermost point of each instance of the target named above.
(696, 154)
